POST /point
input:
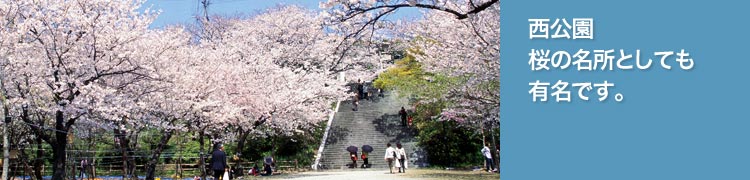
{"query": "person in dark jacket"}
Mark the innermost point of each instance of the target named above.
(403, 116)
(219, 162)
(365, 91)
(360, 89)
(268, 166)
(84, 165)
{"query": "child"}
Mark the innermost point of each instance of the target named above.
(254, 171)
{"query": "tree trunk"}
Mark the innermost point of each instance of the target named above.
(151, 166)
(202, 163)
(91, 167)
(131, 161)
(58, 148)
(73, 165)
(496, 148)
(123, 140)
(25, 159)
(240, 146)
(38, 161)
(6, 146)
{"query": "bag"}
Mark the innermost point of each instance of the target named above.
(394, 155)
(226, 175)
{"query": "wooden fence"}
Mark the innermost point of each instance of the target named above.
(184, 170)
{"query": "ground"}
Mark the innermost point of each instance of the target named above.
(382, 174)
(358, 174)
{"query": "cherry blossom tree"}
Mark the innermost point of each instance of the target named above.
(174, 93)
(62, 54)
(364, 20)
(467, 48)
(275, 69)
(70, 65)
(364, 13)
(462, 53)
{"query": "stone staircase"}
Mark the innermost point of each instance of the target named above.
(375, 123)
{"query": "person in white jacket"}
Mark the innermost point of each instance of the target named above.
(488, 157)
(401, 158)
(390, 155)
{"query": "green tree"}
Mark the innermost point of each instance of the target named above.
(447, 143)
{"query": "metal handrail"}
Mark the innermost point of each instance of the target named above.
(325, 137)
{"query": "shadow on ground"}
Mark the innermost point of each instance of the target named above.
(445, 175)
(390, 125)
(337, 134)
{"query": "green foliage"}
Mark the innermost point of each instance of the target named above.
(300, 147)
(406, 71)
(411, 80)
(446, 142)
(450, 145)
(185, 146)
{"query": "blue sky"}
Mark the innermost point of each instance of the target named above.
(184, 11)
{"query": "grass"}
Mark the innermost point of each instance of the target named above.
(438, 174)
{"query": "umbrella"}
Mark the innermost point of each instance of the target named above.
(367, 148)
(352, 149)
(268, 160)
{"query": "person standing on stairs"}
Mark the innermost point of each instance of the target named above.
(360, 89)
(401, 157)
(390, 155)
(366, 91)
(355, 103)
(353, 156)
(403, 116)
(365, 161)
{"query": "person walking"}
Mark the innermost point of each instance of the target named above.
(390, 155)
(355, 103)
(403, 114)
(353, 156)
(365, 91)
(365, 161)
(219, 161)
(401, 157)
(488, 158)
(360, 89)
(84, 163)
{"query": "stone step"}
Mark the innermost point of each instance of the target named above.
(375, 123)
